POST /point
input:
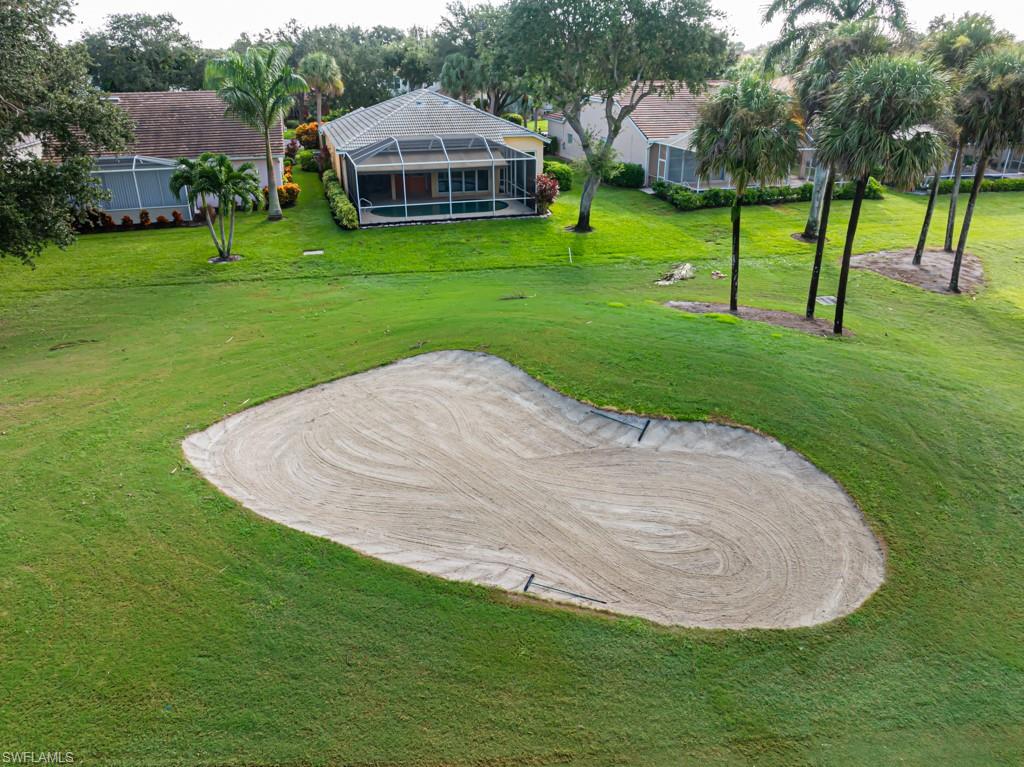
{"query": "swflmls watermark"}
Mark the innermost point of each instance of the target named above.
(37, 757)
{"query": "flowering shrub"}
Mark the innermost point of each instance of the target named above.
(291, 149)
(127, 223)
(144, 218)
(307, 135)
(561, 172)
(178, 218)
(547, 192)
(162, 220)
(342, 209)
(287, 193)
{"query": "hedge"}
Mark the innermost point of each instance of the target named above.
(561, 172)
(627, 174)
(988, 185)
(687, 199)
(342, 209)
(307, 161)
(514, 117)
(553, 147)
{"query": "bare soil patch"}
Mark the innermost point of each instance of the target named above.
(460, 465)
(933, 273)
(818, 326)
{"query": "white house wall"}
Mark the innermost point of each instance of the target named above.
(630, 144)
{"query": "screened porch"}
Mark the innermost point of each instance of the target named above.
(435, 178)
(140, 183)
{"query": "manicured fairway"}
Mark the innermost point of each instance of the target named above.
(147, 619)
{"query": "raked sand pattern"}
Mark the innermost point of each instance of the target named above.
(461, 465)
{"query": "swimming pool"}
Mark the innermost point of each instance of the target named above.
(441, 208)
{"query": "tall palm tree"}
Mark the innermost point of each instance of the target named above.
(321, 73)
(460, 76)
(807, 22)
(954, 44)
(814, 84)
(880, 115)
(213, 176)
(749, 130)
(991, 117)
(258, 87)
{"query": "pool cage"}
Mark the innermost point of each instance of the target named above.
(140, 183)
(434, 177)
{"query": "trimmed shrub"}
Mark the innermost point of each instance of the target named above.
(342, 209)
(127, 223)
(687, 199)
(547, 192)
(987, 185)
(177, 218)
(307, 135)
(307, 161)
(514, 117)
(144, 218)
(162, 220)
(554, 146)
(626, 174)
(291, 124)
(559, 171)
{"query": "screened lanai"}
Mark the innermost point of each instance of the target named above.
(140, 183)
(440, 177)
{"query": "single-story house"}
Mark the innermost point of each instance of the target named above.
(423, 156)
(656, 136)
(168, 126)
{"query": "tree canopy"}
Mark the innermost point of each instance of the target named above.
(143, 52)
(45, 96)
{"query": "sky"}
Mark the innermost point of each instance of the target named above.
(218, 24)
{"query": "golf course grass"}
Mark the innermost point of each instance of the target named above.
(146, 619)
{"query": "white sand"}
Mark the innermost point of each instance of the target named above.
(461, 465)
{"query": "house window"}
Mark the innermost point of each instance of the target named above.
(568, 138)
(463, 181)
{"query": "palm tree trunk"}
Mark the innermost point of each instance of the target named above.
(274, 202)
(208, 214)
(231, 228)
(819, 246)
(844, 272)
(319, 119)
(734, 286)
(221, 213)
(586, 200)
(958, 169)
(979, 176)
(932, 194)
(821, 174)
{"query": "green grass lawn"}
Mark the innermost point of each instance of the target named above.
(146, 619)
(541, 126)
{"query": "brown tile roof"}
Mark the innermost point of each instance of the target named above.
(661, 116)
(173, 124)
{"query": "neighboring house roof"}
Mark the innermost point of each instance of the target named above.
(660, 116)
(417, 113)
(175, 124)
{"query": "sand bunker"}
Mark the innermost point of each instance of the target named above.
(461, 465)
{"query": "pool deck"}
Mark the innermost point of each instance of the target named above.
(513, 210)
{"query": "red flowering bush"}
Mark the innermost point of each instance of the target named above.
(307, 135)
(162, 220)
(287, 193)
(177, 217)
(144, 218)
(126, 222)
(547, 192)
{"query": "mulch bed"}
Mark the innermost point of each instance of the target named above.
(817, 326)
(932, 274)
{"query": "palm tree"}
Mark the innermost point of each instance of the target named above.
(460, 76)
(213, 176)
(814, 84)
(258, 87)
(954, 44)
(991, 117)
(749, 130)
(820, 18)
(880, 115)
(321, 73)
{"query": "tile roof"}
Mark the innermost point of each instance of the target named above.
(417, 113)
(175, 124)
(661, 116)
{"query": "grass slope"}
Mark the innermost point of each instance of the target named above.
(146, 619)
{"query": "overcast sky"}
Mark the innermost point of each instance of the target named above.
(217, 24)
